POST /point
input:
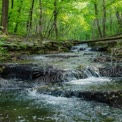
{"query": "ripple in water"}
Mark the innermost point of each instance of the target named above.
(77, 110)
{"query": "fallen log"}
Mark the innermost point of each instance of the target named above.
(98, 40)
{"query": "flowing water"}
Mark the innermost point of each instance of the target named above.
(24, 104)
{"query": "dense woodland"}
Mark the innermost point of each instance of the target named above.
(61, 19)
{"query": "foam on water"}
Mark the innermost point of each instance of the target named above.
(90, 80)
(40, 57)
(79, 47)
(46, 98)
(71, 109)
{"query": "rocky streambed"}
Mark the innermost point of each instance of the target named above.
(61, 87)
(32, 74)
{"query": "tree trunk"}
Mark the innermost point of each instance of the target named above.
(93, 30)
(40, 21)
(97, 20)
(109, 39)
(29, 22)
(119, 19)
(19, 12)
(4, 18)
(12, 4)
(111, 22)
(104, 18)
(55, 12)
(47, 32)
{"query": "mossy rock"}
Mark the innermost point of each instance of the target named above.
(116, 52)
(2, 68)
(81, 67)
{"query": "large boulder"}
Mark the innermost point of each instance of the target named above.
(113, 98)
(30, 72)
(35, 72)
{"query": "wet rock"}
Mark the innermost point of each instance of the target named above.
(116, 51)
(61, 56)
(49, 74)
(57, 93)
(113, 98)
(87, 53)
(30, 72)
(115, 55)
(16, 71)
(101, 49)
(37, 73)
(102, 59)
(111, 71)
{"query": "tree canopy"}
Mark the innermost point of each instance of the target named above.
(62, 19)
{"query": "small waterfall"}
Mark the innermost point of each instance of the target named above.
(80, 47)
(84, 73)
(89, 75)
(73, 75)
(27, 76)
(92, 72)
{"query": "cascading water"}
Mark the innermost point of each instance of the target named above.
(63, 97)
(80, 47)
(87, 76)
(92, 72)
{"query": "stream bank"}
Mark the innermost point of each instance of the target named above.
(12, 47)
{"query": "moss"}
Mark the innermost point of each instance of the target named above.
(1, 69)
(119, 44)
(109, 119)
(14, 47)
(81, 67)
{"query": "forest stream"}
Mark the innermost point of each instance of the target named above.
(77, 86)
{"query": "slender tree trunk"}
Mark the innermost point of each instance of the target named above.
(47, 34)
(97, 20)
(29, 22)
(111, 22)
(19, 12)
(55, 12)
(12, 4)
(119, 19)
(104, 18)
(51, 30)
(4, 18)
(40, 21)
(93, 30)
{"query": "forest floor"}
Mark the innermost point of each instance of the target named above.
(13, 46)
